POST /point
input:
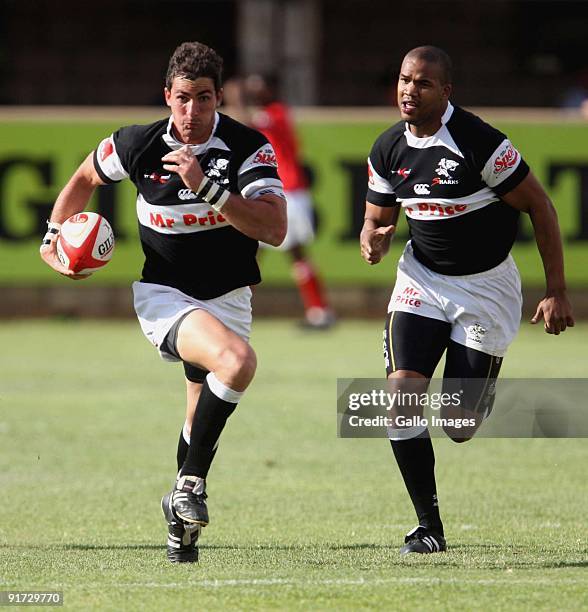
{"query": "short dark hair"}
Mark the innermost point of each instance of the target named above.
(435, 55)
(193, 60)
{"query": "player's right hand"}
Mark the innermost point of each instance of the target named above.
(48, 254)
(555, 311)
(375, 243)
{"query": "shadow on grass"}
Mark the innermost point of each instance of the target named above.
(446, 559)
(515, 562)
(301, 547)
(557, 564)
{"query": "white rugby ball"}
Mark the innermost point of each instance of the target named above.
(85, 243)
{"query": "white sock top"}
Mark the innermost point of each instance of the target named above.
(222, 391)
(406, 433)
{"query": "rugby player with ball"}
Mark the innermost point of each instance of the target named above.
(207, 191)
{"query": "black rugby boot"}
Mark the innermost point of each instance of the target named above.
(423, 541)
(182, 540)
(188, 500)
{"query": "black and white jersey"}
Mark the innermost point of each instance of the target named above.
(449, 186)
(187, 244)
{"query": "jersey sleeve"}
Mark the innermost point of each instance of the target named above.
(258, 174)
(504, 169)
(111, 157)
(380, 191)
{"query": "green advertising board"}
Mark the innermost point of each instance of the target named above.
(37, 157)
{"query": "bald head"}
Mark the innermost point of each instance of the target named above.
(434, 55)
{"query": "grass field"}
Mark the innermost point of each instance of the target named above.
(89, 419)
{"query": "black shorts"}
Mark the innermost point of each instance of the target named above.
(416, 343)
(193, 373)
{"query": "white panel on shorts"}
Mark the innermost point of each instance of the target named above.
(483, 309)
(158, 307)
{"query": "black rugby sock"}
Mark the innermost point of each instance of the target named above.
(211, 416)
(182, 450)
(416, 460)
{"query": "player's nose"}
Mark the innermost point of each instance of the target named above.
(409, 89)
(192, 108)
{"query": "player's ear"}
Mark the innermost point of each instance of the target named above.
(167, 96)
(219, 97)
(447, 89)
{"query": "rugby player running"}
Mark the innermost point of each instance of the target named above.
(207, 191)
(463, 186)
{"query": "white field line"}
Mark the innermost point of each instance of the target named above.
(270, 582)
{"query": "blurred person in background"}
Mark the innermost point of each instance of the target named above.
(254, 100)
(462, 186)
(207, 191)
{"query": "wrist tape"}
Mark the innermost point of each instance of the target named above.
(213, 193)
(52, 231)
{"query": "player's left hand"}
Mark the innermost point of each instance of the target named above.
(184, 163)
(556, 312)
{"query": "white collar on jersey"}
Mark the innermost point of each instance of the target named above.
(441, 138)
(198, 149)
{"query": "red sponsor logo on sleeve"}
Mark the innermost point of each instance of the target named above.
(266, 157)
(370, 176)
(106, 149)
(506, 159)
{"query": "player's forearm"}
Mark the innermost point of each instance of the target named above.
(260, 219)
(369, 225)
(74, 197)
(548, 238)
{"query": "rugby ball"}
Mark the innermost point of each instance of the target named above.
(85, 243)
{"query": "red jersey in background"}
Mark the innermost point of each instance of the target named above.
(274, 122)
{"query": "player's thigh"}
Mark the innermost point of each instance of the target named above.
(413, 346)
(471, 374)
(414, 343)
(205, 341)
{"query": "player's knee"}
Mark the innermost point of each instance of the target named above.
(239, 361)
(406, 374)
(461, 434)
(456, 437)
